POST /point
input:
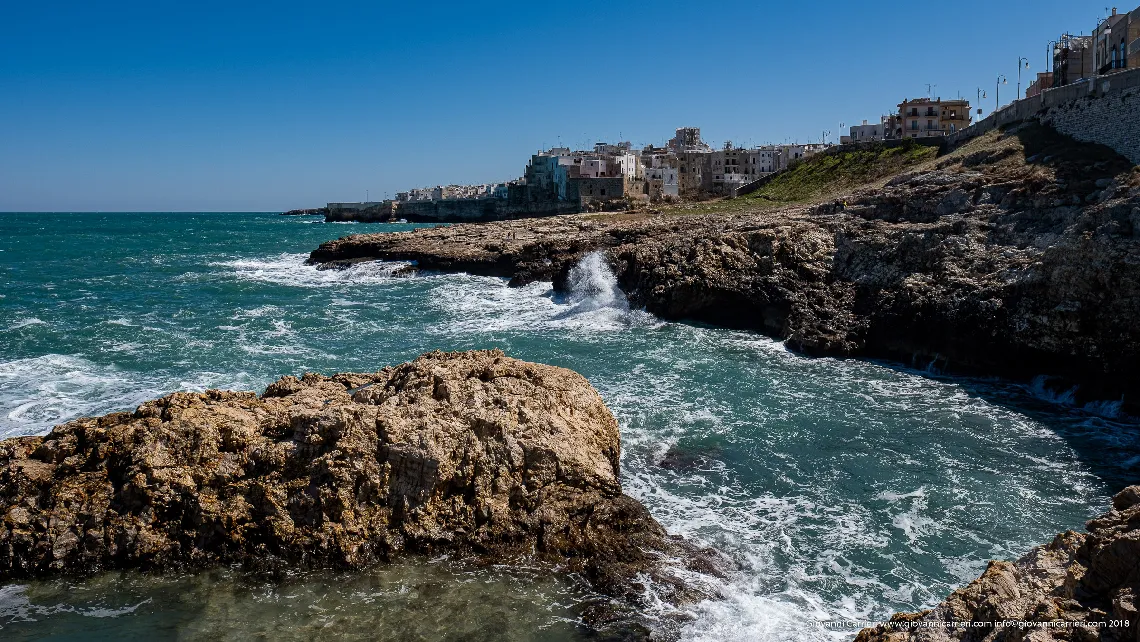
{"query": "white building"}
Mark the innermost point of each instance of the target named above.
(668, 178)
(593, 167)
(628, 165)
(868, 131)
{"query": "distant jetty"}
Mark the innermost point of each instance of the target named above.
(467, 210)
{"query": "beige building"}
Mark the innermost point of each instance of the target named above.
(933, 117)
(1072, 59)
(1133, 50)
(1043, 82)
(1111, 41)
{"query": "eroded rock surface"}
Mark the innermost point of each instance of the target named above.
(1079, 587)
(466, 453)
(1017, 255)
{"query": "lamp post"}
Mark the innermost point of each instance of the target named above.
(1020, 61)
(997, 91)
(981, 95)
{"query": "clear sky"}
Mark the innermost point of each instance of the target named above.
(237, 106)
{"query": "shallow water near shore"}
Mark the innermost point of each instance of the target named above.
(844, 489)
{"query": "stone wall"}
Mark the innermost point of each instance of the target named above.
(1112, 120)
(1105, 110)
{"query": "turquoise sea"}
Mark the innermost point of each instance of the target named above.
(844, 489)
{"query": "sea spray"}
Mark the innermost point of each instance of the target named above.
(593, 286)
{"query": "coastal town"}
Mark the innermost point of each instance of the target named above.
(608, 176)
(614, 176)
(575, 368)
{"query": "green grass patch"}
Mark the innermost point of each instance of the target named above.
(832, 171)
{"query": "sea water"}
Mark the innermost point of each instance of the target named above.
(844, 489)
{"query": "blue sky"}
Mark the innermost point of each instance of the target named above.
(223, 106)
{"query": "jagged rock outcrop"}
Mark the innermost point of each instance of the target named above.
(466, 453)
(1079, 587)
(1017, 255)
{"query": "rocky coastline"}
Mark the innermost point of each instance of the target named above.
(1078, 587)
(470, 454)
(1017, 255)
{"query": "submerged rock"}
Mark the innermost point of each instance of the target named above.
(467, 453)
(1078, 587)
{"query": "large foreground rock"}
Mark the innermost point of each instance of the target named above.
(1079, 587)
(465, 453)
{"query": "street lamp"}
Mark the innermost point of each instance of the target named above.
(997, 91)
(1020, 61)
(981, 95)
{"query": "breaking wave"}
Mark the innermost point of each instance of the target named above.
(290, 269)
(594, 302)
(37, 394)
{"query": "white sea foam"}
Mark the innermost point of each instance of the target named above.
(24, 323)
(290, 269)
(894, 497)
(40, 392)
(595, 303)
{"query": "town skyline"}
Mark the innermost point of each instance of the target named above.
(133, 110)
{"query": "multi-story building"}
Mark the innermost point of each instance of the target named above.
(628, 165)
(868, 131)
(1110, 42)
(932, 117)
(1043, 82)
(1132, 52)
(732, 167)
(692, 171)
(686, 167)
(688, 139)
(1072, 59)
(662, 181)
(764, 160)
